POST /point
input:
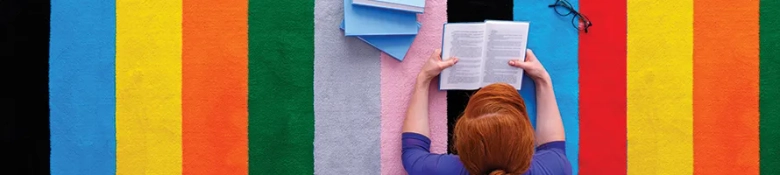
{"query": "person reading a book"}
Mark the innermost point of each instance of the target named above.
(494, 134)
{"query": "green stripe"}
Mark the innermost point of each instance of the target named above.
(281, 104)
(770, 87)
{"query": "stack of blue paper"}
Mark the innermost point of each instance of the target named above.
(390, 30)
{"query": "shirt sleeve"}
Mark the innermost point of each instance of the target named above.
(560, 145)
(550, 158)
(418, 160)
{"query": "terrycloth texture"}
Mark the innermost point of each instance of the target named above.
(770, 87)
(471, 11)
(602, 60)
(81, 86)
(724, 88)
(148, 87)
(659, 89)
(397, 82)
(25, 106)
(214, 87)
(346, 97)
(555, 43)
(281, 103)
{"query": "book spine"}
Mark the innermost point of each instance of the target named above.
(443, 31)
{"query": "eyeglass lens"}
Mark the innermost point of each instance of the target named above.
(579, 22)
(563, 8)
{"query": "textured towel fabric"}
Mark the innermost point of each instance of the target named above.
(471, 11)
(725, 89)
(770, 87)
(397, 82)
(659, 97)
(148, 87)
(555, 41)
(214, 87)
(25, 105)
(603, 88)
(82, 87)
(346, 97)
(281, 103)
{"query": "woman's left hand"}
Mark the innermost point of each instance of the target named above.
(434, 65)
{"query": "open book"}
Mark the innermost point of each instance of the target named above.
(483, 51)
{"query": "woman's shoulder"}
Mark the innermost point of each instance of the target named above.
(450, 164)
(550, 161)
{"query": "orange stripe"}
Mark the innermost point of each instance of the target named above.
(214, 87)
(725, 87)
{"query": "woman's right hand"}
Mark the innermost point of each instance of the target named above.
(532, 67)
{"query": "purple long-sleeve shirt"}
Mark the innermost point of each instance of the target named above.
(549, 159)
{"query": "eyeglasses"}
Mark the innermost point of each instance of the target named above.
(579, 21)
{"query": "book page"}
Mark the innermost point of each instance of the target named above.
(504, 41)
(466, 42)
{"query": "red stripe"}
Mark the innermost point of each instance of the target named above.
(603, 88)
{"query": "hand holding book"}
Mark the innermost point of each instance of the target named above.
(532, 67)
(434, 65)
(484, 50)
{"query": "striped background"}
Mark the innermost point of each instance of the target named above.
(272, 87)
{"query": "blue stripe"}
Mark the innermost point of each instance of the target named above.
(81, 87)
(555, 42)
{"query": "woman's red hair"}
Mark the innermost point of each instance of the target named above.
(494, 135)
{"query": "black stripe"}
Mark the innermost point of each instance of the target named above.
(470, 11)
(24, 103)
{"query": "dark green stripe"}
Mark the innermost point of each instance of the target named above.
(770, 87)
(281, 104)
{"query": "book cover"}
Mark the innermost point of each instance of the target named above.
(416, 6)
(394, 45)
(364, 20)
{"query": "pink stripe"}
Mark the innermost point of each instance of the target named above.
(398, 79)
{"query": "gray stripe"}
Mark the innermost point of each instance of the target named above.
(346, 97)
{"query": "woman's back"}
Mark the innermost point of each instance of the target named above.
(494, 134)
(549, 159)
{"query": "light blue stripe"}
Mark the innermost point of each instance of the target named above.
(81, 87)
(555, 42)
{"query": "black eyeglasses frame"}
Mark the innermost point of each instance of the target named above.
(577, 15)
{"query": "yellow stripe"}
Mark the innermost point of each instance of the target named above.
(660, 87)
(148, 87)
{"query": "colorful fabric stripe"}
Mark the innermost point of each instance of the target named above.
(214, 87)
(267, 87)
(346, 97)
(659, 97)
(81, 86)
(557, 49)
(603, 89)
(398, 79)
(725, 87)
(770, 87)
(281, 110)
(25, 108)
(470, 11)
(148, 87)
